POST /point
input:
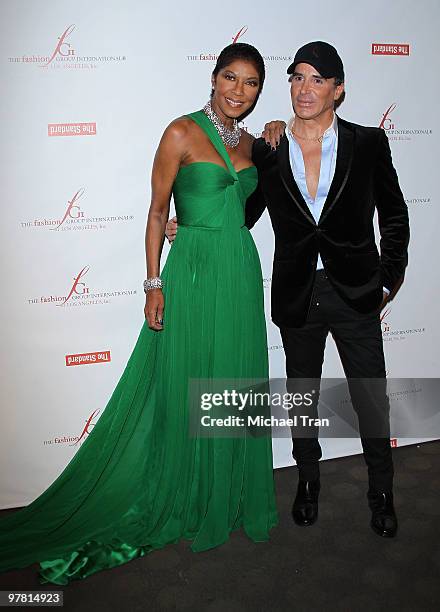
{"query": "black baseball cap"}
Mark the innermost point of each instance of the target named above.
(322, 56)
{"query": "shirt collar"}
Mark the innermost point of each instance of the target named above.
(332, 129)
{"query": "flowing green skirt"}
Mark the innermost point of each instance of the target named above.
(140, 480)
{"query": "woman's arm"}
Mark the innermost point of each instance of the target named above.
(169, 154)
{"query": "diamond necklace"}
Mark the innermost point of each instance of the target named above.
(231, 138)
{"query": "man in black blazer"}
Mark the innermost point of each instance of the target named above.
(321, 186)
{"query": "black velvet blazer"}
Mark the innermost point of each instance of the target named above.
(364, 179)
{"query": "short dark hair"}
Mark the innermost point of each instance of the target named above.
(248, 53)
(341, 98)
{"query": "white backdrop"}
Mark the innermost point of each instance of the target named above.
(88, 89)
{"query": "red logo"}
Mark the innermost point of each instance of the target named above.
(386, 123)
(402, 134)
(85, 431)
(240, 33)
(213, 56)
(64, 56)
(389, 49)
(64, 439)
(393, 442)
(73, 210)
(384, 323)
(77, 287)
(84, 358)
(79, 294)
(74, 218)
(71, 129)
(62, 48)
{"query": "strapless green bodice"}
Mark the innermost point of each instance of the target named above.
(202, 188)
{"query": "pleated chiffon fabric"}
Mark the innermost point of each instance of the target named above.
(140, 481)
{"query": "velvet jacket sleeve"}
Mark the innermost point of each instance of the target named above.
(256, 203)
(392, 216)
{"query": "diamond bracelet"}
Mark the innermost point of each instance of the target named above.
(153, 283)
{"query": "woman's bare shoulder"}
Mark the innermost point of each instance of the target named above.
(247, 136)
(179, 128)
(246, 141)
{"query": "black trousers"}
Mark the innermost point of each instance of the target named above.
(359, 343)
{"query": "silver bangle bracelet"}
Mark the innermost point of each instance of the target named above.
(153, 283)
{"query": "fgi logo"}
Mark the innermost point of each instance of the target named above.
(78, 288)
(240, 33)
(383, 321)
(89, 424)
(62, 48)
(387, 123)
(73, 211)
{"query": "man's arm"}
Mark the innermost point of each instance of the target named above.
(256, 203)
(393, 217)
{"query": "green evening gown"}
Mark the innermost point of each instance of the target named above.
(140, 481)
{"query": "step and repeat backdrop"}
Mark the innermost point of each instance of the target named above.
(88, 88)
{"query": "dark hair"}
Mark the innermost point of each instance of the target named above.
(341, 98)
(248, 53)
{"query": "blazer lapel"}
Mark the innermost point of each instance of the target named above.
(344, 159)
(289, 182)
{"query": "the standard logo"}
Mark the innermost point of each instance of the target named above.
(389, 49)
(72, 129)
(87, 358)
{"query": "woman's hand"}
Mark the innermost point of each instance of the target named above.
(171, 229)
(154, 305)
(272, 133)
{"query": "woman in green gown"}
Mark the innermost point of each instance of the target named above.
(140, 481)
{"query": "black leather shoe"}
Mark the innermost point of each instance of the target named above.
(305, 506)
(383, 515)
